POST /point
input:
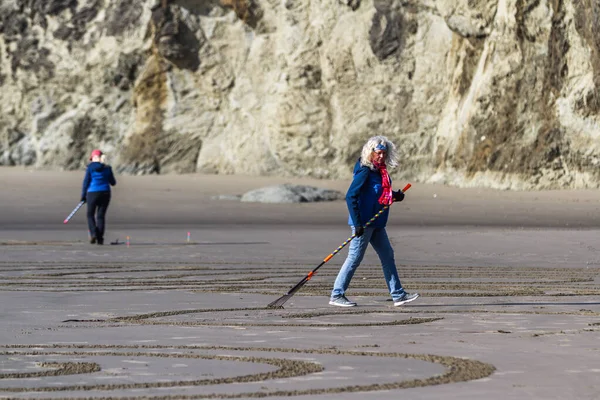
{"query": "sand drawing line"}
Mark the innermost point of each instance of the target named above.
(455, 369)
(434, 281)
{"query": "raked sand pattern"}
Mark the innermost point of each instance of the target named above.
(506, 312)
(265, 366)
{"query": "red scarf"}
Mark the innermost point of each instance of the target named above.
(386, 197)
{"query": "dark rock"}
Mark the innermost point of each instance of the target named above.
(353, 4)
(385, 35)
(122, 16)
(127, 70)
(30, 56)
(173, 38)
(53, 7)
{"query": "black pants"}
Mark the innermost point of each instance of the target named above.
(97, 204)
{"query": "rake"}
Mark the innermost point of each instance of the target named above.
(81, 203)
(281, 301)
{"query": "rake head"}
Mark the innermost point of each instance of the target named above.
(280, 301)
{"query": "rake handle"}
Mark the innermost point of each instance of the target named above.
(81, 203)
(329, 257)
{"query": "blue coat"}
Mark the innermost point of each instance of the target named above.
(98, 178)
(362, 198)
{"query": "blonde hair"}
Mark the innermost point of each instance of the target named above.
(391, 155)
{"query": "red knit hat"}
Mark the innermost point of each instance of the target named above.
(95, 153)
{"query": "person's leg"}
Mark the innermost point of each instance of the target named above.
(92, 204)
(383, 247)
(103, 202)
(356, 252)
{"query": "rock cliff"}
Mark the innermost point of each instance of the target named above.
(495, 93)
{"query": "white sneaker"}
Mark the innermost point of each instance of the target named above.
(342, 301)
(406, 298)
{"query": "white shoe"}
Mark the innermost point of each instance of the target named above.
(406, 298)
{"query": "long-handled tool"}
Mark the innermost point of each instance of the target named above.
(281, 301)
(77, 207)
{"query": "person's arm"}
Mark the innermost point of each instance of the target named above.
(353, 194)
(111, 177)
(86, 184)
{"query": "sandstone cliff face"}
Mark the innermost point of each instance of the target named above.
(496, 93)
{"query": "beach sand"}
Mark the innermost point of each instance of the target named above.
(509, 284)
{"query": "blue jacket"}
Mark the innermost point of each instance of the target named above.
(98, 178)
(362, 198)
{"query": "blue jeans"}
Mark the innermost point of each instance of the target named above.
(358, 246)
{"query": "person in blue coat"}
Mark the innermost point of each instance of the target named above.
(369, 192)
(98, 179)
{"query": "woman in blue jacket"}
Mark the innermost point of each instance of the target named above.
(98, 179)
(369, 192)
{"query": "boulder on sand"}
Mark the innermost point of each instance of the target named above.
(288, 193)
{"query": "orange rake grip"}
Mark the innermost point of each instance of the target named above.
(329, 257)
(408, 185)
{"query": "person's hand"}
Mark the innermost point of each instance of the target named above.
(359, 231)
(398, 196)
(83, 198)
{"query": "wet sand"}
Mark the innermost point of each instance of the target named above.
(509, 283)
